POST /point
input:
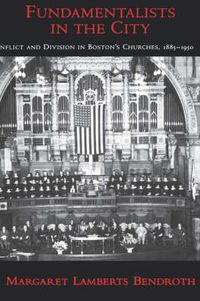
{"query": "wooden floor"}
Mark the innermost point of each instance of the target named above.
(171, 254)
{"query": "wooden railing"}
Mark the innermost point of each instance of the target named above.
(81, 200)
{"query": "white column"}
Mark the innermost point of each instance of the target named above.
(160, 114)
(108, 102)
(19, 112)
(54, 102)
(125, 102)
(72, 100)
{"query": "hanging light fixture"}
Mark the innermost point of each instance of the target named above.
(40, 74)
(19, 67)
(159, 70)
(139, 75)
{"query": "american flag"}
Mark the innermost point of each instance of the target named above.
(89, 121)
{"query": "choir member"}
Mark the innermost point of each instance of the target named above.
(133, 189)
(17, 193)
(181, 190)
(148, 190)
(25, 192)
(157, 189)
(8, 193)
(32, 192)
(165, 190)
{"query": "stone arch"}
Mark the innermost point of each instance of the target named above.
(82, 74)
(185, 98)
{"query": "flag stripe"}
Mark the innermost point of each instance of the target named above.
(92, 131)
(87, 141)
(97, 129)
(101, 130)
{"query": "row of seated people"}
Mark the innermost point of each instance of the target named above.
(39, 186)
(146, 185)
(46, 235)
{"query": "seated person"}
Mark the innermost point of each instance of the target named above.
(42, 236)
(140, 190)
(111, 185)
(14, 237)
(7, 183)
(82, 229)
(133, 189)
(8, 193)
(148, 190)
(157, 190)
(6, 180)
(149, 180)
(55, 190)
(159, 234)
(1, 194)
(25, 192)
(64, 191)
(38, 177)
(47, 191)
(102, 229)
(15, 183)
(158, 181)
(179, 236)
(123, 176)
(113, 177)
(91, 229)
(41, 192)
(25, 237)
(52, 177)
(120, 180)
(61, 177)
(181, 190)
(29, 178)
(70, 231)
(125, 190)
(53, 234)
(130, 230)
(73, 189)
(4, 238)
(119, 189)
(76, 177)
(141, 180)
(173, 190)
(45, 177)
(67, 179)
(134, 180)
(32, 192)
(165, 190)
(17, 193)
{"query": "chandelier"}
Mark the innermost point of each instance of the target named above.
(19, 67)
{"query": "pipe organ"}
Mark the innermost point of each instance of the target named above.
(140, 113)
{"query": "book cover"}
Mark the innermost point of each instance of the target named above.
(99, 149)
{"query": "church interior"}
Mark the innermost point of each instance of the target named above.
(99, 158)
